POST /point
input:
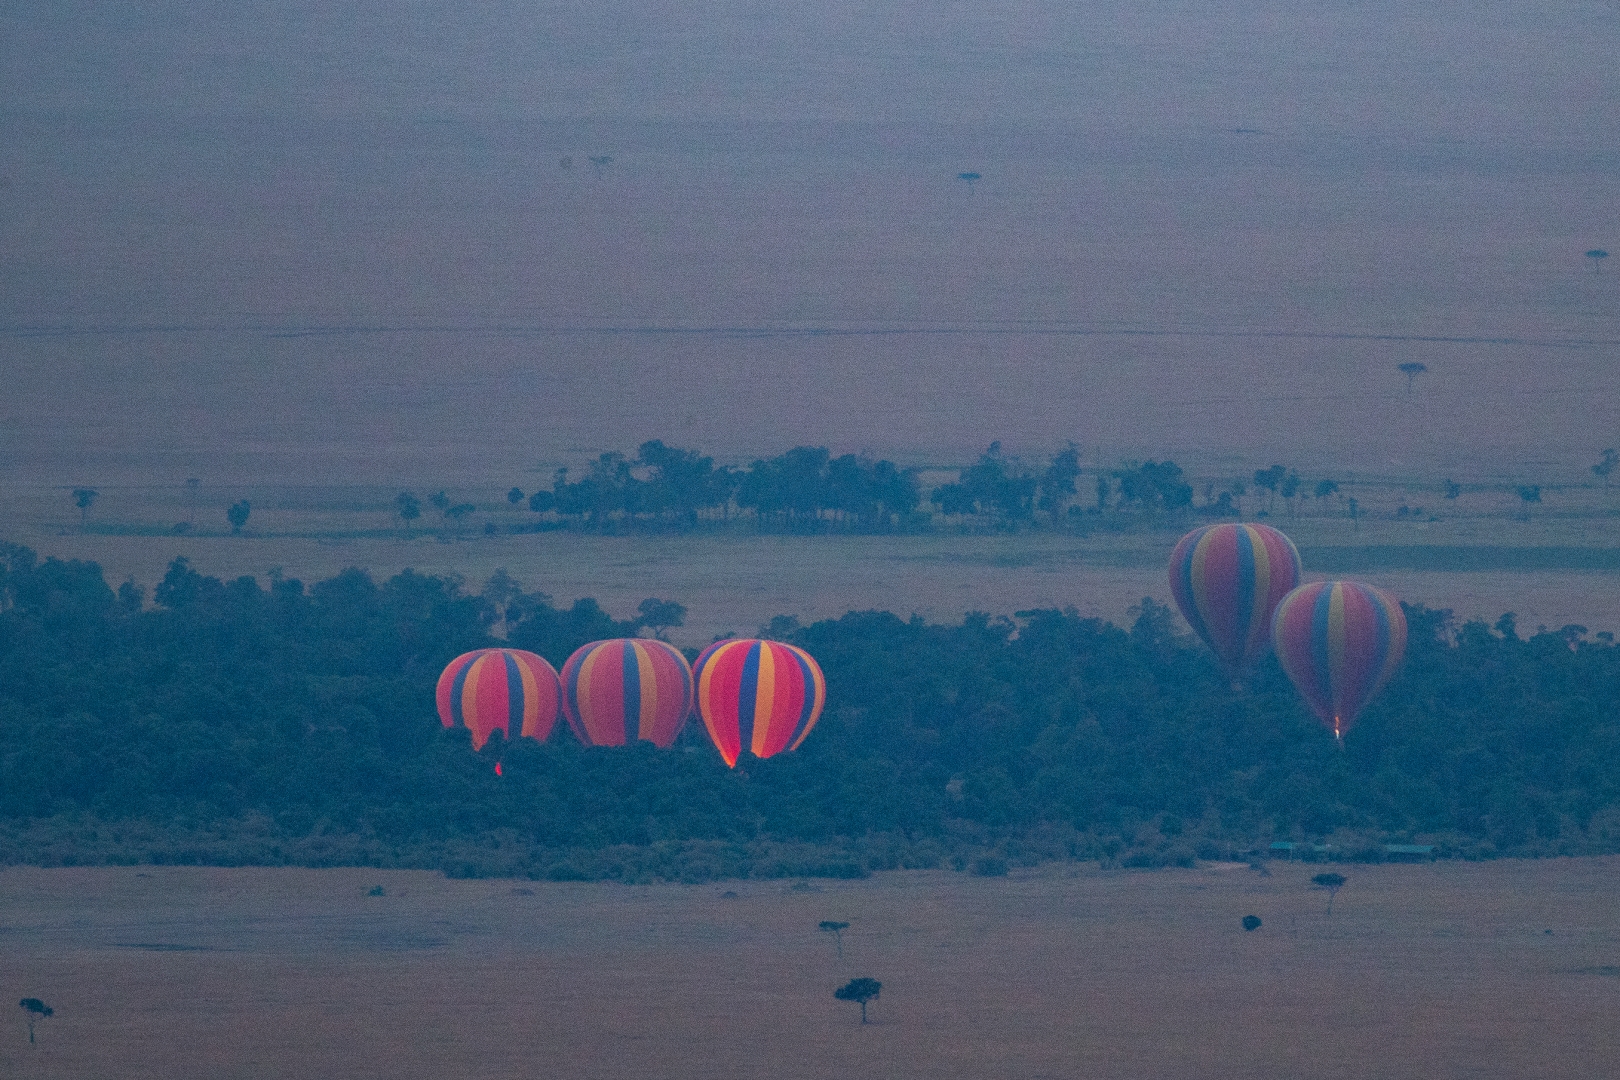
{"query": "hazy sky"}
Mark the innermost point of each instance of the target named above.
(294, 241)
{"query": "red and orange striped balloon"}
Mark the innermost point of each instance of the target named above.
(624, 689)
(759, 696)
(1227, 581)
(508, 690)
(1340, 641)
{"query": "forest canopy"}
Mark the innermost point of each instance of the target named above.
(240, 722)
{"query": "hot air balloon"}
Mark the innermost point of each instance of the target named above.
(506, 689)
(624, 689)
(1227, 581)
(760, 696)
(1340, 641)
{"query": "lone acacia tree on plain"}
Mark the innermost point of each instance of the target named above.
(836, 929)
(1412, 369)
(1332, 883)
(84, 498)
(1597, 255)
(408, 507)
(861, 990)
(37, 1010)
(237, 515)
(1611, 458)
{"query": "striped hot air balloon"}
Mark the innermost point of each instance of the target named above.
(759, 696)
(508, 690)
(1340, 641)
(624, 689)
(1227, 581)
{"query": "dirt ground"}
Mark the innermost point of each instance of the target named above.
(1506, 969)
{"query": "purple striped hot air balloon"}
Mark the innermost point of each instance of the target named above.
(506, 689)
(615, 692)
(1227, 581)
(1340, 641)
(759, 696)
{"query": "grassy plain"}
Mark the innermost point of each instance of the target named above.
(1480, 557)
(1505, 969)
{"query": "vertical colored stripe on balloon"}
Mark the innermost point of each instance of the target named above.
(516, 700)
(647, 687)
(765, 711)
(1243, 584)
(529, 685)
(583, 695)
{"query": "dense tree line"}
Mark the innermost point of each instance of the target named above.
(247, 722)
(807, 489)
(804, 488)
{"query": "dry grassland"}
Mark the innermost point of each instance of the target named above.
(1507, 969)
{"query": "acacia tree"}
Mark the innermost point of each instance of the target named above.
(1332, 883)
(408, 507)
(659, 615)
(835, 929)
(1411, 369)
(1267, 481)
(237, 515)
(1611, 458)
(84, 498)
(861, 990)
(1597, 255)
(37, 1010)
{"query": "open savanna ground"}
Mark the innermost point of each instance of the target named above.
(1503, 969)
(1483, 556)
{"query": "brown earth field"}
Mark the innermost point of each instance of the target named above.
(1502, 969)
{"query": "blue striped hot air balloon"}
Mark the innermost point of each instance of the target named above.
(615, 692)
(1340, 642)
(499, 689)
(759, 696)
(1227, 581)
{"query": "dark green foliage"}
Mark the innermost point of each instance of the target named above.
(37, 1010)
(237, 515)
(1332, 883)
(1251, 922)
(861, 990)
(244, 722)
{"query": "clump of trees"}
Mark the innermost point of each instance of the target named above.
(273, 721)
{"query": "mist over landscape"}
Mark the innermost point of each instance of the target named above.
(286, 242)
(368, 372)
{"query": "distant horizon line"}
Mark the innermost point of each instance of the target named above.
(1033, 328)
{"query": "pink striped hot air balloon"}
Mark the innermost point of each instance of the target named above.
(1227, 581)
(759, 696)
(508, 690)
(629, 688)
(1339, 641)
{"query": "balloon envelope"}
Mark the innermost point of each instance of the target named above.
(759, 696)
(1339, 641)
(1227, 581)
(508, 690)
(624, 689)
